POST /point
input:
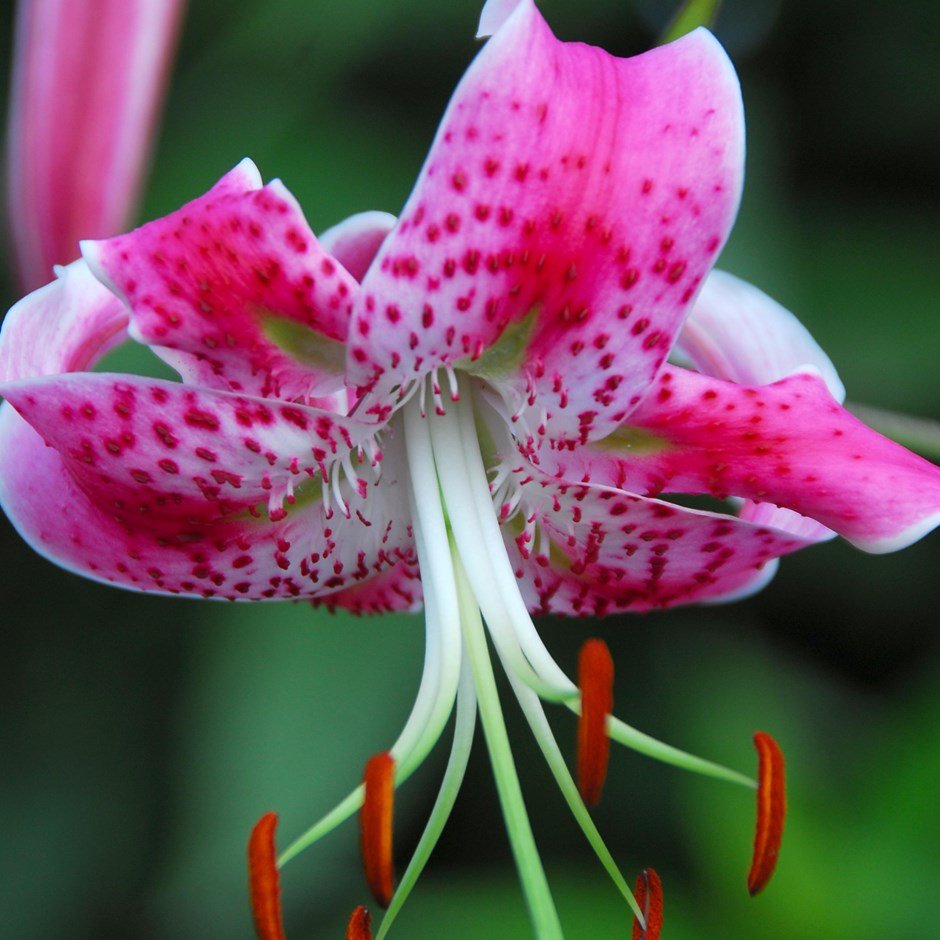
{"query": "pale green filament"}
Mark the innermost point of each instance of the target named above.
(542, 732)
(528, 863)
(466, 572)
(450, 785)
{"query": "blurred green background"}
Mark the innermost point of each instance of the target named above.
(141, 737)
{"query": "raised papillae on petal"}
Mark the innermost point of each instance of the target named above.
(570, 206)
(771, 811)
(588, 550)
(649, 895)
(375, 826)
(162, 487)
(235, 291)
(263, 880)
(788, 444)
(360, 925)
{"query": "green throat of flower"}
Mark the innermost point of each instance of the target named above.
(471, 593)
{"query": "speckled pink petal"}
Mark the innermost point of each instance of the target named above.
(397, 588)
(593, 550)
(737, 332)
(789, 443)
(355, 241)
(569, 208)
(210, 452)
(238, 289)
(65, 326)
(494, 14)
(128, 495)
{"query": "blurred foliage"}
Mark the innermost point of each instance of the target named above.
(690, 15)
(142, 737)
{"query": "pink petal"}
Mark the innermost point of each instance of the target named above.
(87, 86)
(613, 551)
(155, 487)
(238, 288)
(737, 332)
(211, 453)
(494, 14)
(789, 443)
(66, 326)
(396, 589)
(355, 241)
(589, 191)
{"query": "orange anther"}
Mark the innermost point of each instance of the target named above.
(264, 883)
(596, 682)
(649, 895)
(360, 925)
(771, 810)
(375, 826)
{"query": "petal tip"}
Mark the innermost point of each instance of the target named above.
(494, 14)
(248, 173)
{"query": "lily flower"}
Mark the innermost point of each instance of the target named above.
(88, 80)
(469, 407)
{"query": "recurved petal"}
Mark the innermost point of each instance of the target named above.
(234, 291)
(65, 326)
(592, 550)
(569, 208)
(355, 241)
(157, 487)
(737, 332)
(789, 443)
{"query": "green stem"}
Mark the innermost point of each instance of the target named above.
(531, 873)
(691, 15)
(918, 434)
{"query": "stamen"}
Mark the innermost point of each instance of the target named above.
(649, 894)
(435, 381)
(360, 925)
(771, 810)
(263, 881)
(375, 826)
(596, 681)
(335, 481)
(452, 382)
